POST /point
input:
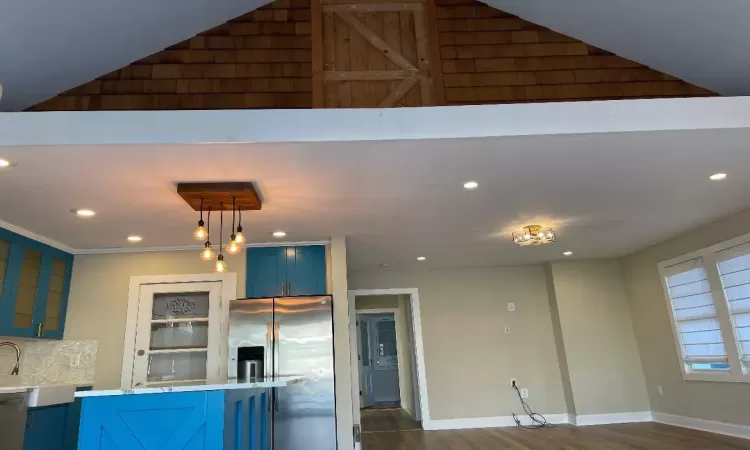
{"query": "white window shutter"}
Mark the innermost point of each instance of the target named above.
(734, 269)
(694, 312)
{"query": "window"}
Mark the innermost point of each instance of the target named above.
(708, 293)
(695, 317)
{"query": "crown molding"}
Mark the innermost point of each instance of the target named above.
(37, 237)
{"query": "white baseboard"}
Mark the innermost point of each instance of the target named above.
(489, 422)
(603, 419)
(729, 429)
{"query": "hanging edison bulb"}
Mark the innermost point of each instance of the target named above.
(200, 232)
(207, 254)
(232, 247)
(221, 266)
(239, 237)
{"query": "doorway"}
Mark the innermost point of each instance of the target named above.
(388, 386)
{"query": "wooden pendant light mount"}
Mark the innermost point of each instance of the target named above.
(215, 194)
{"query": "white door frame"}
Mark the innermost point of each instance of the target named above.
(228, 293)
(416, 319)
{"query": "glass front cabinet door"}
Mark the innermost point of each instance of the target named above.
(34, 284)
(178, 335)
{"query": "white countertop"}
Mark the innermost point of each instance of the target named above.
(192, 387)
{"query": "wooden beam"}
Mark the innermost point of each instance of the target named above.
(434, 46)
(423, 57)
(370, 36)
(350, 2)
(398, 93)
(372, 7)
(316, 29)
(329, 49)
(370, 75)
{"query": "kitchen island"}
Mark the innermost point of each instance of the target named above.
(232, 415)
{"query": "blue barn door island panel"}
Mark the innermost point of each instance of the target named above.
(169, 421)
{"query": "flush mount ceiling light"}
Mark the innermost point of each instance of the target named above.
(534, 235)
(471, 185)
(568, 253)
(134, 238)
(718, 176)
(421, 258)
(279, 234)
(4, 163)
(83, 212)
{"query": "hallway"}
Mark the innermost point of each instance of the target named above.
(392, 419)
(640, 436)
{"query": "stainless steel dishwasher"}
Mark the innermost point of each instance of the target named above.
(13, 419)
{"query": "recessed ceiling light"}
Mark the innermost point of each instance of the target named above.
(4, 163)
(83, 212)
(279, 234)
(471, 185)
(135, 238)
(568, 253)
(718, 176)
(421, 258)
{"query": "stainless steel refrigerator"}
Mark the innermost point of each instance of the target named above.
(296, 338)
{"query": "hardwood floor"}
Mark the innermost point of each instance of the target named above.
(394, 419)
(637, 436)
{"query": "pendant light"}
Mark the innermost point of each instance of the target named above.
(232, 247)
(221, 266)
(200, 232)
(207, 254)
(239, 238)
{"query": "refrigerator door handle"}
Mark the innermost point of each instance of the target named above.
(275, 401)
(268, 351)
(277, 347)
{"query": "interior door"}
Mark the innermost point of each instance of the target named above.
(178, 336)
(365, 363)
(385, 380)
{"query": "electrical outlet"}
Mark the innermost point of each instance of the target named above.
(507, 330)
(524, 393)
(659, 389)
(511, 306)
(75, 360)
(513, 382)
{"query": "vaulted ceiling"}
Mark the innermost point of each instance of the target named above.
(47, 47)
(703, 43)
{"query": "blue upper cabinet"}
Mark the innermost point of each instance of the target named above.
(286, 271)
(34, 285)
(306, 270)
(266, 271)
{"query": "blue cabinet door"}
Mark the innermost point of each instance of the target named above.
(45, 428)
(169, 421)
(266, 271)
(306, 270)
(34, 285)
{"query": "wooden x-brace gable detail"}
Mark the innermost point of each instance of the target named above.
(372, 53)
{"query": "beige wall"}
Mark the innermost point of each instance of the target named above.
(98, 299)
(403, 337)
(726, 402)
(469, 360)
(601, 353)
(343, 356)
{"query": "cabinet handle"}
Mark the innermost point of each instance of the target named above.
(289, 288)
(40, 329)
(283, 286)
(30, 423)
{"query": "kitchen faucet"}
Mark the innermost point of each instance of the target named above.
(18, 355)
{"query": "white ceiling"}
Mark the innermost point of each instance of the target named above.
(702, 42)
(49, 46)
(607, 194)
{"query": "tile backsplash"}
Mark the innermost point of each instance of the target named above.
(51, 362)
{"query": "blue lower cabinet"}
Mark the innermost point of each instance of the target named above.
(45, 428)
(215, 420)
